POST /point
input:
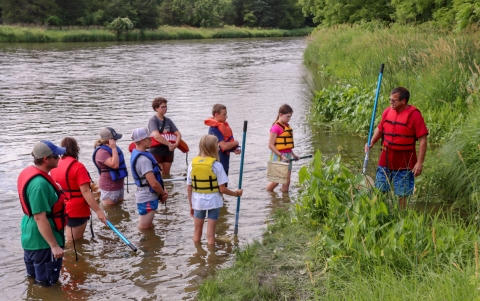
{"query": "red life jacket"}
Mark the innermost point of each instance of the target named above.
(396, 133)
(75, 203)
(57, 213)
(223, 127)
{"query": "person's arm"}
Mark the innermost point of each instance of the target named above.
(224, 190)
(46, 232)
(113, 161)
(422, 149)
(228, 145)
(152, 181)
(375, 137)
(88, 196)
(189, 195)
(173, 146)
(271, 146)
(156, 135)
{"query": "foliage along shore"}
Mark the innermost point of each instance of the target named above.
(341, 241)
(33, 34)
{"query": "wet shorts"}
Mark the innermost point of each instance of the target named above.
(41, 265)
(403, 181)
(164, 159)
(114, 196)
(274, 157)
(212, 213)
(144, 208)
(77, 221)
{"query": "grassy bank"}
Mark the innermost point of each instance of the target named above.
(19, 34)
(342, 242)
(439, 69)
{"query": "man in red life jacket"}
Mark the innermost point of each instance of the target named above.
(401, 127)
(42, 225)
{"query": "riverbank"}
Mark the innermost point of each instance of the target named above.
(22, 34)
(338, 242)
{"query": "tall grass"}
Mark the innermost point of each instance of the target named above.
(434, 65)
(354, 246)
(21, 34)
(453, 172)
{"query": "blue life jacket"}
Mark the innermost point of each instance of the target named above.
(141, 181)
(116, 174)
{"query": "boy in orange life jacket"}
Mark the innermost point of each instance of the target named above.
(401, 126)
(42, 225)
(220, 129)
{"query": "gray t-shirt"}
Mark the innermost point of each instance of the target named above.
(143, 194)
(155, 124)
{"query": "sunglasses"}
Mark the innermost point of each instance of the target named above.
(53, 157)
(163, 107)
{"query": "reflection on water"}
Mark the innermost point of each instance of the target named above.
(50, 91)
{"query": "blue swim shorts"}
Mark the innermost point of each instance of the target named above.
(144, 208)
(212, 213)
(403, 181)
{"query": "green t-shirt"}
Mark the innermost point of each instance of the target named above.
(42, 196)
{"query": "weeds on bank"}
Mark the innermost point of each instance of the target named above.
(435, 66)
(344, 242)
(453, 175)
(23, 34)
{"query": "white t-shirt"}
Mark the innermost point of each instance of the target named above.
(207, 201)
(143, 194)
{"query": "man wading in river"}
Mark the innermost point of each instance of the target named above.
(42, 225)
(401, 127)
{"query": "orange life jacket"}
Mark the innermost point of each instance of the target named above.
(396, 133)
(57, 213)
(76, 205)
(223, 127)
(285, 140)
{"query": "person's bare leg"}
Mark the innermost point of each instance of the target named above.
(211, 224)
(271, 186)
(197, 232)
(403, 202)
(165, 166)
(77, 231)
(145, 221)
(286, 186)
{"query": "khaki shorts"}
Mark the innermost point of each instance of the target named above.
(114, 196)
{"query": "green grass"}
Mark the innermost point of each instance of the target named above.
(22, 34)
(340, 241)
(436, 66)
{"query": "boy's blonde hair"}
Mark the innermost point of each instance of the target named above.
(208, 147)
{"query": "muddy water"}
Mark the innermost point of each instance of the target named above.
(55, 90)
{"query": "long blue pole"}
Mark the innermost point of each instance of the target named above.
(128, 243)
(241, 174)
(372, 122)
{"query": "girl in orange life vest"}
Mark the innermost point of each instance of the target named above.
(206, 180)
(281, 143)
(165, 132)
(74, 179)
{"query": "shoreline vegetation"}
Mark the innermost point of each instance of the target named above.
(340, 240)
(37, 34)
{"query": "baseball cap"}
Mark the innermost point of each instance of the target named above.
(109, 133)
(46, 148)
(140, 133)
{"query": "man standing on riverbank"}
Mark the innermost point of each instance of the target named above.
(401, 127)
(42, 225)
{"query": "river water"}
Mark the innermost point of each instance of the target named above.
(49, 91)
